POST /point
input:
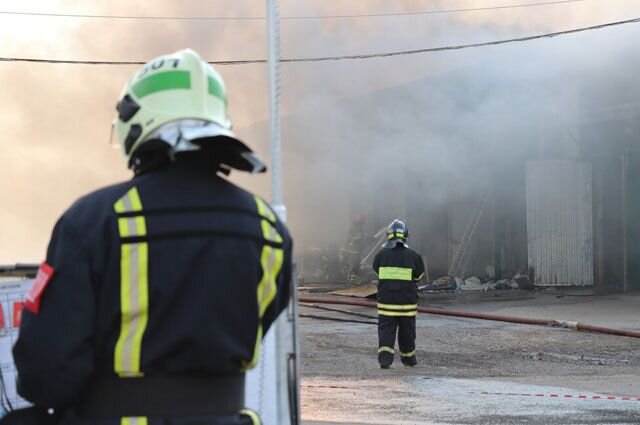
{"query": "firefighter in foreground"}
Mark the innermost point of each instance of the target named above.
(156, 292)
(399, 268)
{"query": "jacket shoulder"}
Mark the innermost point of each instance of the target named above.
(94, 202)
(264, 209)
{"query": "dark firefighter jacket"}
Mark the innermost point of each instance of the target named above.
(176, 272)
(398, 270)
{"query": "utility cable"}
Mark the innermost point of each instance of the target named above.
(262, 18)
(338, 58)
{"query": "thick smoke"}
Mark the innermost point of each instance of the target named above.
(357, 135)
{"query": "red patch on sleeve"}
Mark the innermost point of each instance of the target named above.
(2, 323)
(33, 298)
(17, 313)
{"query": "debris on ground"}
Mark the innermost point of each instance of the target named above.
(523, 281)
(360, 291)
(473, 283)
(445, 283)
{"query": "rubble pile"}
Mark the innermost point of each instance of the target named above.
(473, 283)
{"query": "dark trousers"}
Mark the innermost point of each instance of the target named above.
(388, 326)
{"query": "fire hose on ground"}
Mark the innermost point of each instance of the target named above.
(483, 316)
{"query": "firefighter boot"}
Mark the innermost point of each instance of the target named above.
(385, 359)
(409, 361)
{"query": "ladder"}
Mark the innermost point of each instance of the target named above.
(462, 257)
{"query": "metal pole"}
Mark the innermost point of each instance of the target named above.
(285, 328)
(273, 62)
(625, 268)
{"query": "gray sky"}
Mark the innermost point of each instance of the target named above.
(55, 119)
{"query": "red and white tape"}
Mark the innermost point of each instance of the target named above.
(576, 396)
(579, 396)
(326, 386)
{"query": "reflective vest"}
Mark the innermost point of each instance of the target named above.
(398, 270)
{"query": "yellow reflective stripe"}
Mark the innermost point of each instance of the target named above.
(136, 205)
(398, 306)
(120, 208)
(134, 290)
(269, 232)
(256, 351)
(271, 260)
(134, 308)
(387, 349)
(395, 273)
(264, 210)
(125, 303)
(129, 202)
(132, 226)
(397, 313)
(255, 419)
(409, 354)
(123, 227)
(133, 420)
(419, 277)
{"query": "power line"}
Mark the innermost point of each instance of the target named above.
(261, 18)
(344, 57)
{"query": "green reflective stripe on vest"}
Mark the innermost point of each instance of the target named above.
(168, 80)
(387, 349)
(397, 313)
(398, 306)
(271, 260)
(134, 291)
(134, 420)
(395, 273)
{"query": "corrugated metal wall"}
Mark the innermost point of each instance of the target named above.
(559, 223)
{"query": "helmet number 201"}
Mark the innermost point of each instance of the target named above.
(156, 65)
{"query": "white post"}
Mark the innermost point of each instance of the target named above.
(285, 327)
(273, 63)
(272, 387)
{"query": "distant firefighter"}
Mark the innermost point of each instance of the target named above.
(399, 268)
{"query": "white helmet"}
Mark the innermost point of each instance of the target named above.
(178, 103)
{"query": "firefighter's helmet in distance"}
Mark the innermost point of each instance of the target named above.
(178, 103)
(397, 233)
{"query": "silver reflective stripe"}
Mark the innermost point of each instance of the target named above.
(126, 202)
(134, 303)
(131, 224)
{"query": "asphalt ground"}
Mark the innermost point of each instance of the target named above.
(479, 372)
